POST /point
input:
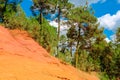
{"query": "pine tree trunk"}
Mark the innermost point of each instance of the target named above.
(4, 9)
(77, 47)
(40, 18)
(76, 58)
(59, 23)
(71, 50)
(71, 42)
(76, 54)
(58, 36)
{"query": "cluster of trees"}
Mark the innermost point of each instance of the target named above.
(84, 36)
(13, 17)
(92, 52)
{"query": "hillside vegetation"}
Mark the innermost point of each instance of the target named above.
(21, 58)
(92, 52)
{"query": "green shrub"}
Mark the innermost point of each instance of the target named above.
(44, 34)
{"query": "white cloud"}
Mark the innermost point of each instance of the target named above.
(102, 1)
(113, 37)
(110, 22)
(118, 1)
(63, 27)
(83, 2)
(107, 40)
(53, 23)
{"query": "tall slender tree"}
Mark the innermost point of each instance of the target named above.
(41, 6)
(83, 24)
(5, 3)
(53, 6)
(3, 8)
(62, 8)
(118, 34)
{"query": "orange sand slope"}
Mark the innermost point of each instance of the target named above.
(21, 58)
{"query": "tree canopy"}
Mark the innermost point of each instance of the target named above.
(83, 46)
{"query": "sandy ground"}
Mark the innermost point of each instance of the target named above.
(21, 58)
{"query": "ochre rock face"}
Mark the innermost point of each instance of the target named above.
(21, 58)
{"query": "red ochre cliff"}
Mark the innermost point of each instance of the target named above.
(21, 58)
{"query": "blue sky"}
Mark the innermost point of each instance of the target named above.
(26, 4)
(107, 12)
(109, 6)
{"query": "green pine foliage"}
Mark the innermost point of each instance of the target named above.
(44, 34)
(92, 52)
(48, 36)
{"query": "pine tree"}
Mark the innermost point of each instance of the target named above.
(118, 34)
(116, 64)
(4, 4)
(41, 6)
(83, 24)
(51, 6)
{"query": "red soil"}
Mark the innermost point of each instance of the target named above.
(21, 58)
